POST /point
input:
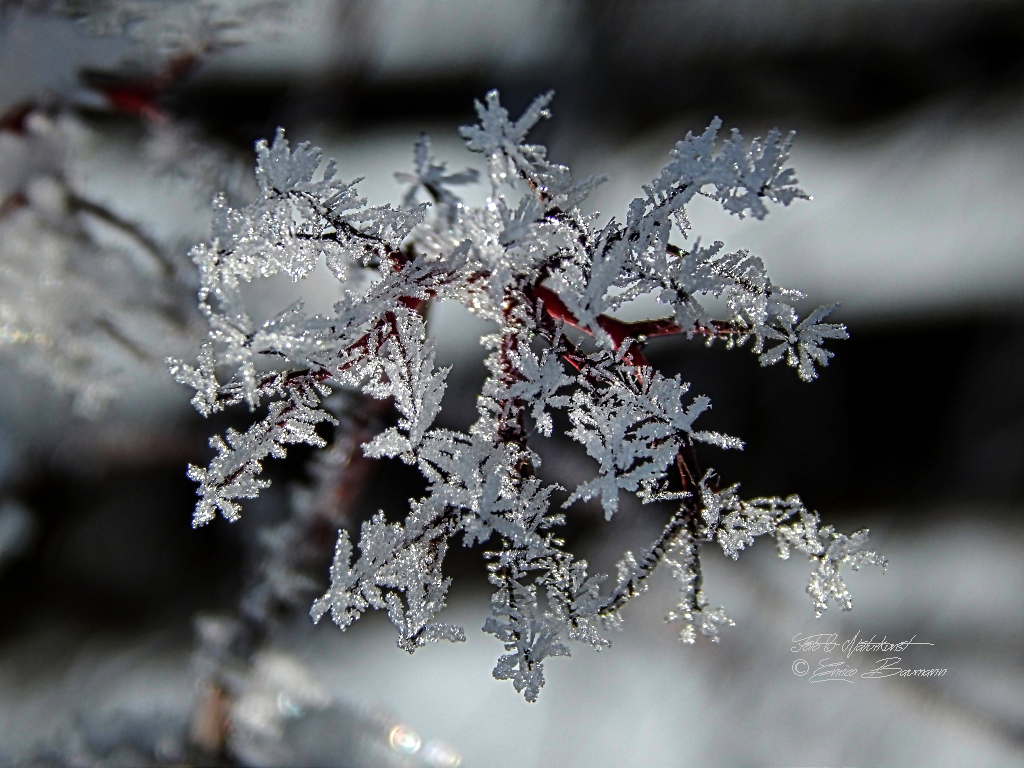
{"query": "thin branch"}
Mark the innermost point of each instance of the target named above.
(107, 216)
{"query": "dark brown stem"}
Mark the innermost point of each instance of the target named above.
(685, 519)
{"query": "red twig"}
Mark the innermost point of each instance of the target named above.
(637, 331)
(140, 96)
(14, 119)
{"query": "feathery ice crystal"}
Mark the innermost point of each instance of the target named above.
(532, 263)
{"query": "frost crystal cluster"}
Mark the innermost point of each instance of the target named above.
(551, 279)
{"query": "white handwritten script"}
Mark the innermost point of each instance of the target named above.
(829, 669)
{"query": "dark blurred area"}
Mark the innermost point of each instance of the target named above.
(619, 68)
(919, 413)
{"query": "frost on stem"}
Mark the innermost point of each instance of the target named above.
(89, 301)
(532, 262)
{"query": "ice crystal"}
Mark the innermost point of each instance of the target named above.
(534, 263)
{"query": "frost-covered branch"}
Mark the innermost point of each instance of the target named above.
(87, 311)
(533, 263)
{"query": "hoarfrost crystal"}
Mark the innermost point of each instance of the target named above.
(532, 262)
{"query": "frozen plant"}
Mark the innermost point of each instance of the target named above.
(89, 301)
(551, 279)
(92, 299)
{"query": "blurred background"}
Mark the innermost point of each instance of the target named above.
(120, 120)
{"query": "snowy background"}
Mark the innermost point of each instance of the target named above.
(909, 118)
